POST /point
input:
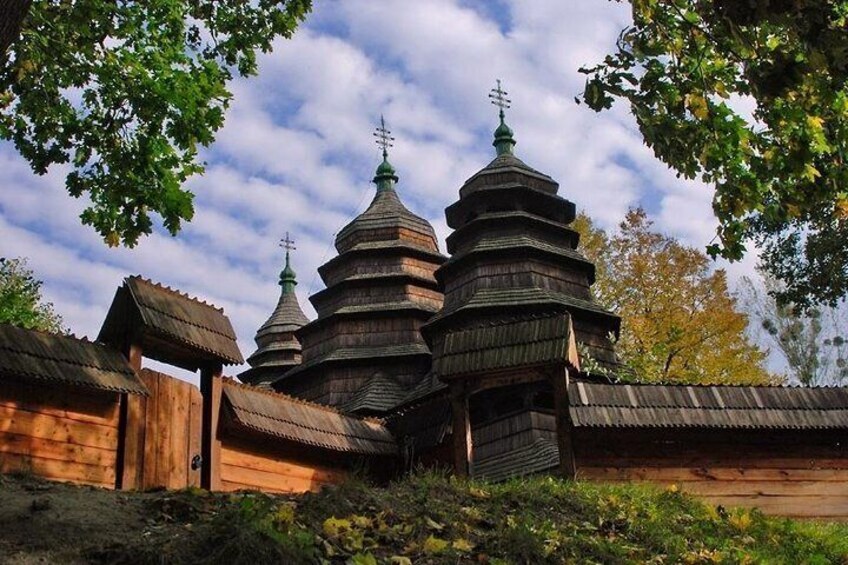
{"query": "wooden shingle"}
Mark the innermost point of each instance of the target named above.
(28, 355)
(303, 422)
(681, 406)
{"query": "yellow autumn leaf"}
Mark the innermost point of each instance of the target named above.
(478, 493)
(400, 560)
(334, 526)
(842, 208)
(462, 545)
(697, 104)
(434, 545)
(810, 172)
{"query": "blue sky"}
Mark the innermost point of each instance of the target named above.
(297, 154)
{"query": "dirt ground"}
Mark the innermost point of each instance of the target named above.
(49, 522)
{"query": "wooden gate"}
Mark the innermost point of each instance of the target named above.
(164, 434)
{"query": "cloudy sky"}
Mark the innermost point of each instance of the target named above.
(297, 152)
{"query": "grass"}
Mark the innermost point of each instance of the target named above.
(432, 518)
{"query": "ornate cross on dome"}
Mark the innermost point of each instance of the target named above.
(499, 99)
(287, 244)
(384, 137)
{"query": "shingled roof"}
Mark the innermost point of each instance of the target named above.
(681, 406)
(175, 327)
(303, 422)
(521, 343)
(32, 356)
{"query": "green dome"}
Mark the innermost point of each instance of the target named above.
(385, 177)
(504, 141)
(288, 278)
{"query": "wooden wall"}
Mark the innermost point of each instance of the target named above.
(781, 473)
(273, 466)
(168, 426)
(67, 434)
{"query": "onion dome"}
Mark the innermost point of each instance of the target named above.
(278, 349)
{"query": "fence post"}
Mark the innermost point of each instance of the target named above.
(211, 387)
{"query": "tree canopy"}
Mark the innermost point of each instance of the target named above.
(686, 67)
(680, 324)
(813, 342)
(21, 303)
(125, 92)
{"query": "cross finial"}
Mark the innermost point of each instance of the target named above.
(384, 137)
(287, 243)
(498, 98)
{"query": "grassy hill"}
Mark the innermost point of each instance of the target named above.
(425, 518)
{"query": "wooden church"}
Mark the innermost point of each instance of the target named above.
(472, 361)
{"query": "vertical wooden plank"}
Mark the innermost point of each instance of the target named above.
(462, 443)
(177, 470)
(163, 425)
(564, 428)
(195, 419)
(130, 470)
(211, 386)
(151, 430)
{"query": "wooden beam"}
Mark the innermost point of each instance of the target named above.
(211, 387)
(462, 444)
(564, 428)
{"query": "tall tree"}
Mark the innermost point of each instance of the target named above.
(680, 323)
(780, 175)
(126, 91)
(813, 342)
(21, 303)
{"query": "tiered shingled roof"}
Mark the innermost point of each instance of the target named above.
(32, 356)
(172, 327)
(514, 254)
(306, 423)
(380, 290)
(278, 349)
(594, 405)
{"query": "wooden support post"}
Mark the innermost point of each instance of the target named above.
(211, 387)
(567, 465)
(131, 430)
(462, 443)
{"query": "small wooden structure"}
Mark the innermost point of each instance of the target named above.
(149, 319)
(62, 402)
(501, 355)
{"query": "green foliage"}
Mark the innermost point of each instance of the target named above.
(780, 179)
(679, 321)
(21, 303)
(126, 92)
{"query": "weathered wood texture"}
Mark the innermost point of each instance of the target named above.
(170, 420)
(788, 475)
(247, 465)
(59, 433)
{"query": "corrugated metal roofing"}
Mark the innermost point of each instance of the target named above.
(180, 317)
(681, 406)
(303, 422)
(37, 356)
(510, 344)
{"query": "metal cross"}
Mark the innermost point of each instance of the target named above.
(384, 138)
(287, 243)
(499, 99)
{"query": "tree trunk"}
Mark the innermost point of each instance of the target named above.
(12, 14)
